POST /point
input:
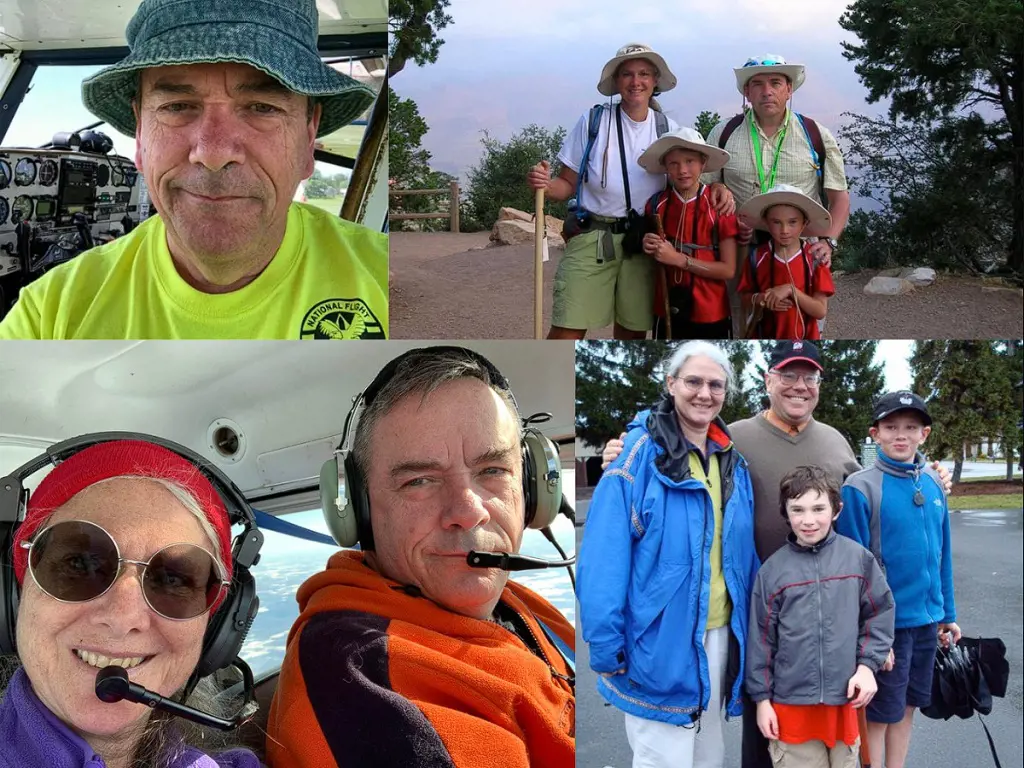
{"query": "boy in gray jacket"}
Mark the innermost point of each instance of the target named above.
(821, 625)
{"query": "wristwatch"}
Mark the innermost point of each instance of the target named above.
(832, 243)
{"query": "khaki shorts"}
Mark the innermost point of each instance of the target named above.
(589, 295)
(813, 754)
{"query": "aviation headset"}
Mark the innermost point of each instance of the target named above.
(227, 628)
(343, 494)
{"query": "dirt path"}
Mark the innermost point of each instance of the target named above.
(441, 289)
(949, 308)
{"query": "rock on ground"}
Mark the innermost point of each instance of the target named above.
(518, 232)
(888, 286)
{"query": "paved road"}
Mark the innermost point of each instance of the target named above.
(989, 573)
(982, 469)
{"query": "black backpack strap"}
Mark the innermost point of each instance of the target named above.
(752, 261)
(654, 201)
(714, 230)
(728, 131)
(622, 157)
(593, 128)
(660, 123)
(817, 146)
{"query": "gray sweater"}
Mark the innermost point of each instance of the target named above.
(771, 453)
(815, 614)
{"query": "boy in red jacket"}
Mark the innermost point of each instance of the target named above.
(694, 246)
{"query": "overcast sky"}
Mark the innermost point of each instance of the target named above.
(508, 63)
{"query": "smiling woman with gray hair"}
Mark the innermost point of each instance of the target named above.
(123, 559)
(666, 568)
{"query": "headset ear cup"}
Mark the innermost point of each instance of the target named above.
(229, 627)
(339, 514)
(9, 596)
(359, 500)
(543, 477)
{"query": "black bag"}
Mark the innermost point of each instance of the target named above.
(965, 678)
(636, 223)
(636, 227)
(575, 223)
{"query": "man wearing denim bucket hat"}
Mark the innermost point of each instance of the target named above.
(225, 99)
(770, 144)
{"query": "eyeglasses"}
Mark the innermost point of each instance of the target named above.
(764, 63)
(789, 378)
(696, 384)
(75, 561)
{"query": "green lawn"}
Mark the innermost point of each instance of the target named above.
(988, 501)
(331, 204)
(987, 479)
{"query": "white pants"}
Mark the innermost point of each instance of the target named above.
(661, 745)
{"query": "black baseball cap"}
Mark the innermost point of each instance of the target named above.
(787, 352)
(903, 400)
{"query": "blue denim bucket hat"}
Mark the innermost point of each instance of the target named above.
(277, 37)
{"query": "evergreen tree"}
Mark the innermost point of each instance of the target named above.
(705, 122)
(614, 381)
(498, 181)
(851, 383)
(413, 26)
(935, 58)
(407, 160)
(969, 392)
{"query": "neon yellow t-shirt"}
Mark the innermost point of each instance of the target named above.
(328, 280)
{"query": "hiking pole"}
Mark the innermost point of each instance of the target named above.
(865, 749)
(538, 265)
(659, 227)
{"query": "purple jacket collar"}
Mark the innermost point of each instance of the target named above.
(34, 736)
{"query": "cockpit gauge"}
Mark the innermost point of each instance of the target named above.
(5, 174)
(102, 175)
(48, 173)
(22, 208)
(25, 172)
(5, 209)
(117, 176)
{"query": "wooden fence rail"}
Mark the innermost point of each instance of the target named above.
(452, 214)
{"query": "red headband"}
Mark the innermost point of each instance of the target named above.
(135, 458)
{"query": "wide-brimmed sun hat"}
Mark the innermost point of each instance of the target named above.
(277, 37)
(653, 158)
(819, 222)
(769, 64)
(628, 52)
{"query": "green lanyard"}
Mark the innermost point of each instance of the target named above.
(756, 140)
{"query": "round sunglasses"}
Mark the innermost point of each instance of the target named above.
(75, 561)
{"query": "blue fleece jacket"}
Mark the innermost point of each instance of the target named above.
(910, 540)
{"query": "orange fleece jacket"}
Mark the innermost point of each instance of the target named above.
(376, 675)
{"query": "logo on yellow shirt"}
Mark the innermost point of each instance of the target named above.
(341, 319)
